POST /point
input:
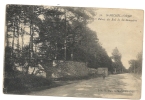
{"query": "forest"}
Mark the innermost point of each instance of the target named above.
(42, 33)
(39, 35)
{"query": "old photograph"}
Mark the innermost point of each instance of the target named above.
(73, 51)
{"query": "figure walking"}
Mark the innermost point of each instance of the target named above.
(103, 74)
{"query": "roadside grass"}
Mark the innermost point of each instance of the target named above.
(22, 84)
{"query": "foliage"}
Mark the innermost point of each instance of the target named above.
(54, 33)
(117, 64)
(136, 65)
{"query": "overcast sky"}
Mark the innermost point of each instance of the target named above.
(126, 36)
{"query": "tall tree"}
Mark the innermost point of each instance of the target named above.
(117, 64)
(136, 64)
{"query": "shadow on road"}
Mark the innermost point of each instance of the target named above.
(28, 83)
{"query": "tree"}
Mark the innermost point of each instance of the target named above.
(55, 33)
(117, 64)
(136, 64)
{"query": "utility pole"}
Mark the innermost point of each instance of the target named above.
(65, 41)
(134, 66)
(56, 50)
(31, 35)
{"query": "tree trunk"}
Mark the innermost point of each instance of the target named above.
(13, 42)
(7, 38)
(18, 39)
(22, 37)
(33, 71)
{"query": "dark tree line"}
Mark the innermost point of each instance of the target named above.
(41, 33)
(136, 64)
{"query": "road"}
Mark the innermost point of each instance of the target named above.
(114, 86)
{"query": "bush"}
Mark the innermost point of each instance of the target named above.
(24, 83)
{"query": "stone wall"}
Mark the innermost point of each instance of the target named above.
(63, 69)
(73, 69)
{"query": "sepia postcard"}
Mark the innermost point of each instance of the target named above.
(73, 51)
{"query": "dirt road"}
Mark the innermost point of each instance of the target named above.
(113, 86)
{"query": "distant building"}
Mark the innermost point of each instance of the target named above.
(103, 70)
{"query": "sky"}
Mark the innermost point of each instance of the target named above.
(127, 36)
